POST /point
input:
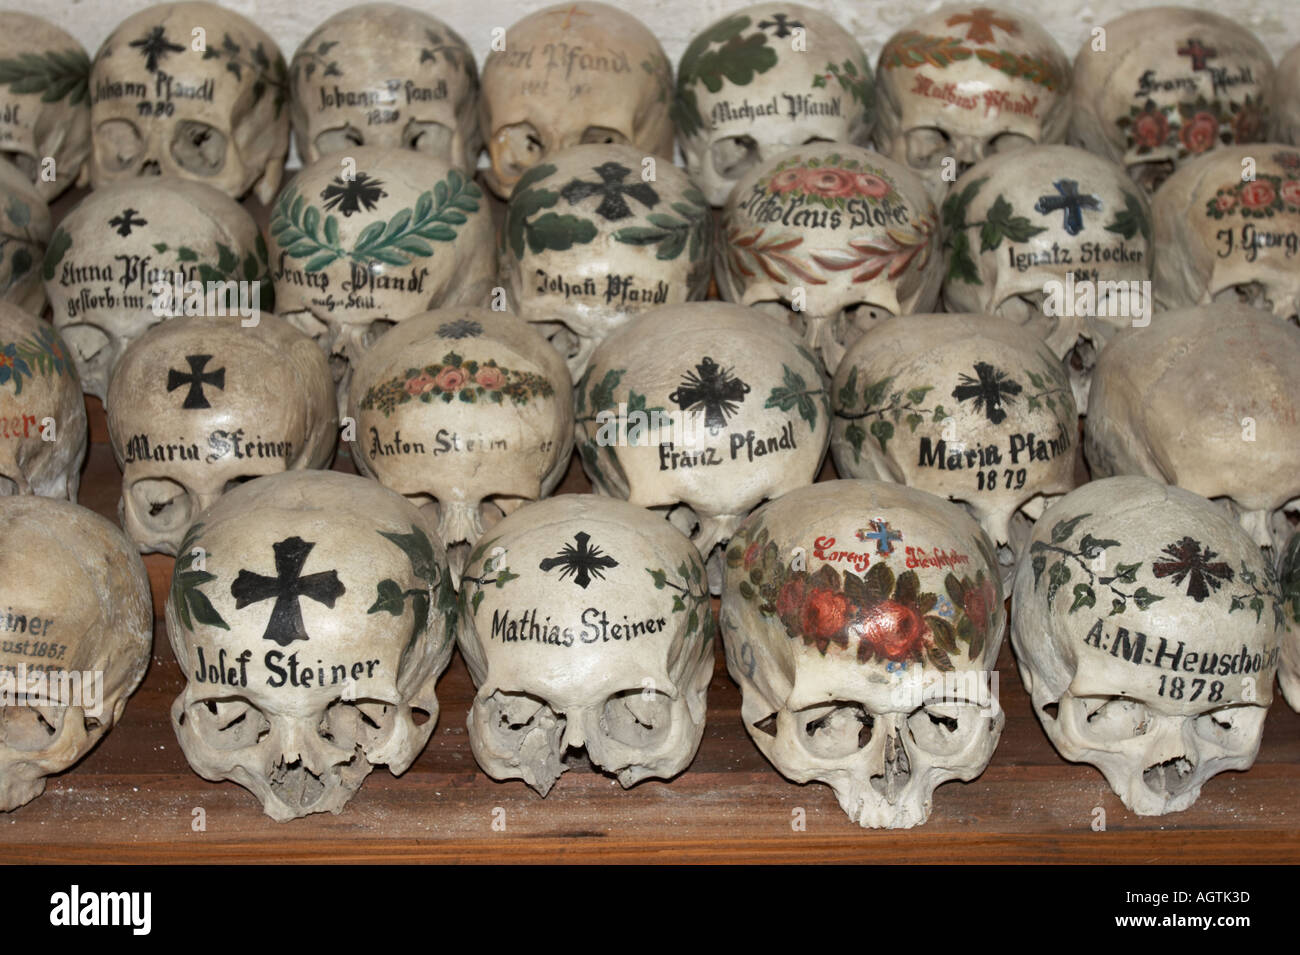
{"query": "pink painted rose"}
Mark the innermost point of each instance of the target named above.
(787, 180)
(1150, 128)
(1199, 133)
(871, 186)
(1226, 202)
(420, 384)
(830, 182)
(1257, 194)
(451, 378)
(1291, 191)
(490, 378)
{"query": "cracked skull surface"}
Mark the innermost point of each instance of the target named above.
(831, 238)
(44, 103)
(123, 259)
(585, 623)
(862, 621)
(965, 82)
(1208, 399)
(733, 414)
(24, 235)
(1168, 84)
(310, 612)
(42, 412)
(199, 405)
(967, 407)
(466, 411)
(764, 79)
(1053, 238)
(568, 75)
(595, 236)
(362, 241)
(382, 74)
(192, 91)
(1225, 239)
(1146, 625)
(78, 630)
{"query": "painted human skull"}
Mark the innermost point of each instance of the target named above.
(762, 80)
(831, 238)
(311, 636)
(44, 103)
(1053, 238)
(1146, 625)
(1167, 84)
(364, 240)
(1285, 99)
(1225, 239)
(570, 74)
(733, 413)
(967, 407)
(24, 234)
(619, 244)
(42, 413)
(965, 82)
(77, 634)
(585, 623)
(382, 74)
(1205, 398)
(467, 411)
(125, 256)
(199, 405)
(862, 621)
(1288, 672)
(191, 90)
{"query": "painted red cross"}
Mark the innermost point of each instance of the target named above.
(1200, 55)
(568, 15)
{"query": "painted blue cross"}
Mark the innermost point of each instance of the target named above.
(883, 536)
(1071, 202)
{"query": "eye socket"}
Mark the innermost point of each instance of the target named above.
(733, 156)
(518, 148)
(119, 144)
(1230, 726)
(513, 715)
(836, 729)
(926, 146)
(339, 139)
(1023, 307)
(433, 139)
(1007, 143)
(640, 717)
(31, 729)
(1151, 175)
(199, 148)
(162, 504)
(364, 723)
(86, 341)
(945, 728)
(1254, 294)
(602, 134)
(227, 724)
(863, 316)
(1114, 719)
(25, 164)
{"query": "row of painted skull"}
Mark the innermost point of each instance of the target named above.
(312, 612)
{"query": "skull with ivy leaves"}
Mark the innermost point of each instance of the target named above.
(194, 91)
(594, 237)
(967, 407)
(734, 414)
(363, 240)
(24, 234)
(585, 623)
(44, 103)
(382, 74)
(862, 621)
(311, 613)
(121, 262)
(1055, 239)
(795, 77)
(1146, 624)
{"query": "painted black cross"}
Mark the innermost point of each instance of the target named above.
(611, 189)
(989, 389)
(782, 22)
(1200, 55)
(714, 389)
(196, 378)
(287, 586)
(581, 562)
(1070, 201)
(127, 220)
(153, 46)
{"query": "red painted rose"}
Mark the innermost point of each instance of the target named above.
(419, 384)
(1225, 202)
(978, 602)
(752, 552)
(893, 630)
(449, 379)
(824, 615)
(1248, 127)
(1257, 194)
(1150, 129)
(1199, 133)
(1291, 192)
(873, 187)
(490, 378)
(829, 182)
(789, 601)
(786, 180)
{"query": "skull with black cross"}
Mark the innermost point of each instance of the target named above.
(1055, 239)
(862, 621)
(383, 74)
(311, 614)
(42, 411)
(193, 91)
(762, 80)
(199, 405)
(596, 235)
(585, 623)
(363, 239)
(1147, 626)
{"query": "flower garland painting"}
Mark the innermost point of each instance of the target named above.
(457, 379)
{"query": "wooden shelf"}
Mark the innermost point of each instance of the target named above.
(134, 798)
